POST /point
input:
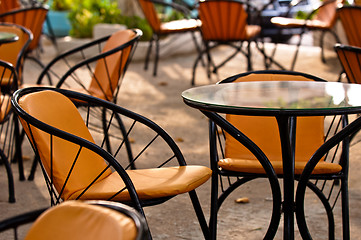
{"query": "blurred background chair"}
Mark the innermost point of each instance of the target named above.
(224, 23)
(33, 19)
(76, 166)
(323, 19)
(350, 59)
(15, 52)
(234, 165)
(8, 5)
(80, 220)
(162, 29)
(350, 17)
(96, 68)
(8, 78)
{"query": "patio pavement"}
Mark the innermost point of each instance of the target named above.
(159, 98)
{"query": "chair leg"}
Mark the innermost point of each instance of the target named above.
(33, 169)
(18, 152)
(156, 56)
(10, 177)
(345, 210)
(198, 209)
(148, 54)
(214, 207)
(249, 61)
(322, 47)
(296, 53)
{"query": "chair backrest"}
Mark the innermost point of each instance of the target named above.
(14, 52)
(31, 18)
(79, 220)
(350, 17)
(109, 70)
(222, 20)
(264, 130)
(326, 13)
(350, 59)
(7, 5)
(8, 77)
(150, 14)
(57, 155)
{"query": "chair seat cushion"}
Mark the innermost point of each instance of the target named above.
(183, 25)
(78, 220)
(149, 183)
(254, 166)
(298, 23)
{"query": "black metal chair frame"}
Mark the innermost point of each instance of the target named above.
(10, 148)
(48, 74)
(156, 36)
(237, 45)
(304, 29)
(233, 180)
(116, 112)
(36, 57)
(29, 217)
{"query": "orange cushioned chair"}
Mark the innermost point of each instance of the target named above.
(8, 78)
(161, 29)
(350, 17)
(33, 19)
(323, 19)
(14, 52)
(96, 68)
(76, 166)
(233, 164)
(350, 59)
(225, 23)
(80, 220)
(7, 5)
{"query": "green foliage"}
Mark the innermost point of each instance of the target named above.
(60, 5)
(87, 13)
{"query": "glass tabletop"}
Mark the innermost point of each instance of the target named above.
(6, 37)
(272, 97)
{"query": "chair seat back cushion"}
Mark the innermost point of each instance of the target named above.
(58, 155)
(263, 131)
(108, 70)
(76, 220)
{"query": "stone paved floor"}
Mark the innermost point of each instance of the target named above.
(159, 98)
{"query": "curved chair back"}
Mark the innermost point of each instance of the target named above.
(76, 165)
(31, 18)
(14, 52)
(150, 14)
(7, 5)
(79, 220)
(350, 17)
(102, 62)
(110, 69)
(8, 80)
(223, 20)
(264, 132)
(350, 59)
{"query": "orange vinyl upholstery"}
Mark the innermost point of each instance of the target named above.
(78, 220)
(7, 5)
(263, 131)
(350, 59)
(14, 52)
(108, 70)
(225, 21)
(31, 18)
(58, 111)
(350, 17)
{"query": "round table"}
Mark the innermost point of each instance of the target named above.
(284, 100)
